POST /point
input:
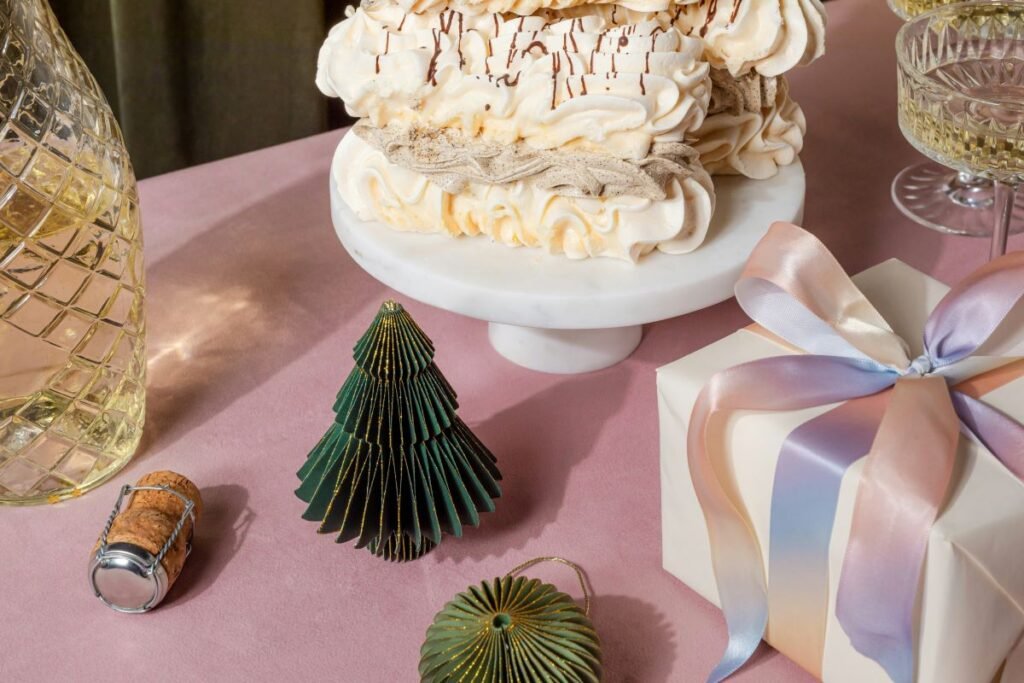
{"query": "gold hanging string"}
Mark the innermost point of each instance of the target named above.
(580, 574)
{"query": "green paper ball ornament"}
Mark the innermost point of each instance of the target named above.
(397, 469)
(511, 630)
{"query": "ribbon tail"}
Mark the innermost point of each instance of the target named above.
(780, 383)
(808, 478)
(999, 433)
(905, 481)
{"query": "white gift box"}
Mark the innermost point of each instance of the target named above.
(971, 618)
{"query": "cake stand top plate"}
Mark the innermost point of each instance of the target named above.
(528, 287)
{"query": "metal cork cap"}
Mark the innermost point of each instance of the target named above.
(127, 578)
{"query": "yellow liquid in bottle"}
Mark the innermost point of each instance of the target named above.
(72, 352)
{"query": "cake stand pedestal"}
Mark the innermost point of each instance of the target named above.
(553, 314)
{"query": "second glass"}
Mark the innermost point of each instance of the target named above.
(961, 96)
(937, 197)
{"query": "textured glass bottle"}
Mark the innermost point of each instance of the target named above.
(72, 354)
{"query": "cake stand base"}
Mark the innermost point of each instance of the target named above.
(553, 314)
(564, 352)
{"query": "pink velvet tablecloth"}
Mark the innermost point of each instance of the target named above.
(253, 309)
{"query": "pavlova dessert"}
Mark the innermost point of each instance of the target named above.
(580, 127)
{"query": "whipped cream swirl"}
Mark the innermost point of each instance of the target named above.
(521, 213)
(766, 36)
(582, 83)
(748, 134)
(769, 37)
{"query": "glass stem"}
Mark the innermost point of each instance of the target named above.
(1005, 196)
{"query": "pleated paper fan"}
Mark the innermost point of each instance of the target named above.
(361, 491)
(394, 347)
(511, 630)
(397, 469)
(399, 547)
(417, 409)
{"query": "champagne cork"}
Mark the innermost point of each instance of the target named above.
(146, 542)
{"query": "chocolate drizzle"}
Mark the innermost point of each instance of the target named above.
(556, 66)
(432, 66)
(712, 11)
(654, 37)
(511, 51)
(508, 80)
(387, 48)
(735, 11)
(462, 60)
(537, 43)
(451, 17)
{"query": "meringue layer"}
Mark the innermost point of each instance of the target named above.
(748, 134)
(452, 161)
(580, 83)
(523, 214)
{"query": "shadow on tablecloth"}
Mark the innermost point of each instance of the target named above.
(241, 301)
(637, 640)
(538, 442)
(220, 532)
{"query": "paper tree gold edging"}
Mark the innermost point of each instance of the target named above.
(398, 468)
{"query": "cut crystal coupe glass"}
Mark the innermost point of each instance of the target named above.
(72, 354)
(961, 95)
(936, 196)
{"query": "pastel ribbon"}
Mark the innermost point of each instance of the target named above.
(793, 287)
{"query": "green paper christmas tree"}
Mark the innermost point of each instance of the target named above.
(397, 468)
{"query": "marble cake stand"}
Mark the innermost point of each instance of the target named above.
(552, 314)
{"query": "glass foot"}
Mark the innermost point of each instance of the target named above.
(955, 203)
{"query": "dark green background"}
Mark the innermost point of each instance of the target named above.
(196, 80)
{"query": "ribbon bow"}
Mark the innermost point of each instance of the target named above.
(794, 287)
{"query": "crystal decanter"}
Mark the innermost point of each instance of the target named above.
(72, 352)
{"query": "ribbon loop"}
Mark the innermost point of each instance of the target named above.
(795, 288)
(974, 310)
